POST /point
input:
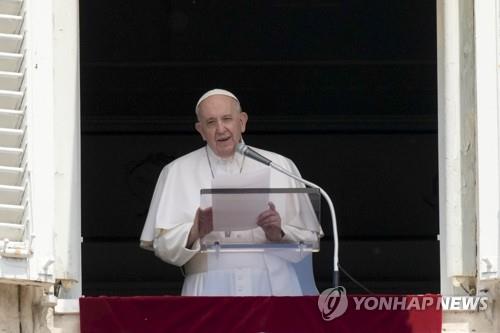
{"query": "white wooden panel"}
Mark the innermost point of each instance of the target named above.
(10, 62)
(488, 136)
(66, 121)
(10, 24)
(10, 175)
(456, 141)
(10, 43)
(11, 157)
(13, 232)
(10, 99)
(41, 144)
(11, 213)
(12, 7)
(10, 80)
(11, 137)
(11, 118)
(11, 195)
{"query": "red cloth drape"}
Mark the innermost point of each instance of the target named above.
(153, 314)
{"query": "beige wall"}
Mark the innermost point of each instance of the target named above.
(23, 309)
(28, 309)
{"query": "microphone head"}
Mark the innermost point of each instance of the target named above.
(241, 148)
(244, 150)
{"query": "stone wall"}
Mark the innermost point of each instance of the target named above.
(23, 309)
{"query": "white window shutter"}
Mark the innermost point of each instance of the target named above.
(27, 252)
(15, 237)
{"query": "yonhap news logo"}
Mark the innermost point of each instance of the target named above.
(333, 303)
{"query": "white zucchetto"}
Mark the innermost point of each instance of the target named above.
(212, 93)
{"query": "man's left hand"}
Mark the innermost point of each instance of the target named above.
(270, 221)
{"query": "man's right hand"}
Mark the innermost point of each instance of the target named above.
(202, 225)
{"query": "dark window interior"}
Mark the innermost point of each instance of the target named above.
(345, 88)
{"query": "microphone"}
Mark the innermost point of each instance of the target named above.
(249, 152)
(243, 149)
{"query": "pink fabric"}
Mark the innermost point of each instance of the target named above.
(154, 314)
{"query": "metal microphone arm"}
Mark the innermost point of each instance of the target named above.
(332, 212)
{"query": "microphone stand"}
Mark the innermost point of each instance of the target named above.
(332, 212)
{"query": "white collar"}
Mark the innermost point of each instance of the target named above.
(235, 158)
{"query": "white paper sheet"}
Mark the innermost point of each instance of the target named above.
(236, 212)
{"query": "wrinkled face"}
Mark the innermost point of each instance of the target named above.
(220, 124)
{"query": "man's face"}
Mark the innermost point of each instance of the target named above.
(220, 124)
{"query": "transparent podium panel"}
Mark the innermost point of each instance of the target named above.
(262, 240)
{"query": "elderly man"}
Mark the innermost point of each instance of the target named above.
(175, 223)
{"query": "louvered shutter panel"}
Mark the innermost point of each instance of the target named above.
(39, 141)
(15, 238)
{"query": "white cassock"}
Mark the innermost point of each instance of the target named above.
(170, 218)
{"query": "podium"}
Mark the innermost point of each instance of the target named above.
(281, 267)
